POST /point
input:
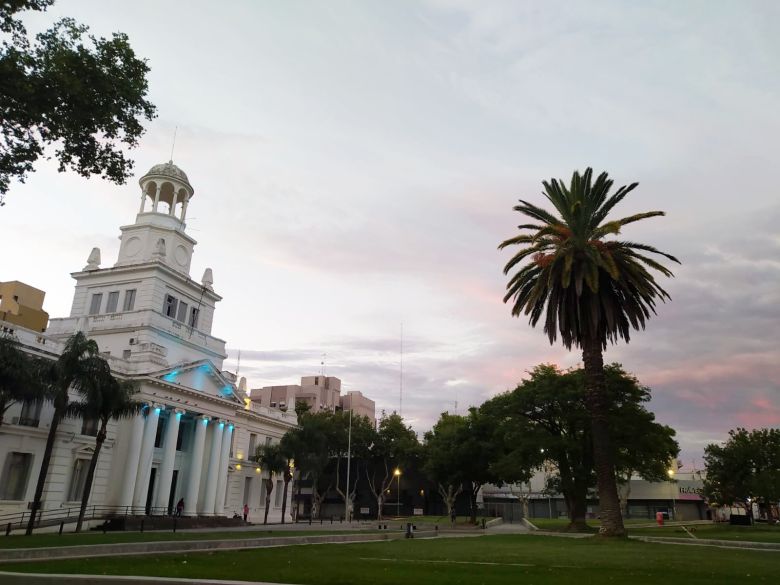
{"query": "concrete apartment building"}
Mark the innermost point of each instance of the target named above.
(153, 323)
(22, 304)
(319, 392)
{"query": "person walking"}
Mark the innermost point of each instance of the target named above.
(180, 507)
(246, 512)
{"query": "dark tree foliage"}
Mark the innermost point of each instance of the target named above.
(545, 421)
(83, 96)
(588, 287)
(745, 469)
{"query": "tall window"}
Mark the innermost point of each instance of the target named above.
(94, 306)
(194, 314)
(278, 492)
(129, 300)
(182, 315)
(169, 308)
(252, 445)
(16, 472)
(89, 427)
(31, 414)
(112, 302)
(158, 438)
(78, 480)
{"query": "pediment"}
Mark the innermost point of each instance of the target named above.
(200, 376)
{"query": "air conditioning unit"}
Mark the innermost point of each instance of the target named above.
(133, 341)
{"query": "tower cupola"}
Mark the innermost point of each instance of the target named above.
(167, 190)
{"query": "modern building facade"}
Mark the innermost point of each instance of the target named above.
(321, 393)
(153, 323)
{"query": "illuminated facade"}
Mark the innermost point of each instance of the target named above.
(153, 323)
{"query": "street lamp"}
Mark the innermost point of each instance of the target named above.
(670, 473)
(397, 473)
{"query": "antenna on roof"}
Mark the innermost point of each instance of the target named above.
(401, 376)
(175, 130)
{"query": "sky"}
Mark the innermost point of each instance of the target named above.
(355, 165)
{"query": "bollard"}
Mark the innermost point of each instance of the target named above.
(309, 520)
(331, 519)
(62, 525)
(409, 530)
(436, 529)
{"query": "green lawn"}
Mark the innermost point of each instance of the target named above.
(42, 540)
(558, 524)
(488, 560)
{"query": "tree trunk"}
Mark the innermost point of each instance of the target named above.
(55, 422)
(287, 478)
(596, 401)
(380, 500)
(101, 437)
(269, 487)
(473, 501)
(577, 508)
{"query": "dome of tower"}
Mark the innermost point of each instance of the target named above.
(168, 170)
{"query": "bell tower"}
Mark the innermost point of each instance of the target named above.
(158, 232)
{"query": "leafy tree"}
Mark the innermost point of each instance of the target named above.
(104, 398)
(395, 446)
(545, 421)
(78, 364)
(357, 451)
(273, 460)
(591, 288)
(82, 95)
(745, 469)
(458, 451)
(17, 380)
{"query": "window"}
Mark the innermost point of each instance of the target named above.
(267, 441)
(252, 445)
(182, 316)
(182, 439)
(31, 414)
(169, 308)
(129, 300)
(113, 301)
(89, 427)
(278, 492)
(94, 307)
(77, 480)
(126, 353)
(194, 314)
(16, 471)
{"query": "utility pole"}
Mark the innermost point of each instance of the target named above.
(347, 513)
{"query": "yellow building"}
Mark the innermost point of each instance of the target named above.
(22, 304)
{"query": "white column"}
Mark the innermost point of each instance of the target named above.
(156, 197)
(172, 210)
(131, 463)
(143, 201)
(210, 492)
(184, 207)
(196, 465)
(222, 471)
(165, 473)
(145, 458)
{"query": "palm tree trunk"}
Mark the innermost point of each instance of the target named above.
(55, 422)
(269, 486)
(596, 401)
(101, 436)
(284, 493)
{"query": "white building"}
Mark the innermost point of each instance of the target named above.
(153, 323)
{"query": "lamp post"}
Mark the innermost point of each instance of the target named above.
(347, 514)
(670, 473)
(397, 473)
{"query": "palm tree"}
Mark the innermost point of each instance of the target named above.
(74, 369)
(17, 382)
(591, 289)
(272, 460)
(105, 399)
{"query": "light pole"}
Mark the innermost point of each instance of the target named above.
(347, 514)
(670, 473)
(397, 473)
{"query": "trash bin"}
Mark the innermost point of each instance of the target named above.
(659, 518)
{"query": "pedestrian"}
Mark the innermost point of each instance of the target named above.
(452, 516)
(246, 512)
(180, 507)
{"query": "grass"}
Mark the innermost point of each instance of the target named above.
(757, 533)
(44, 540)
(559, 524)
(488, 560)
